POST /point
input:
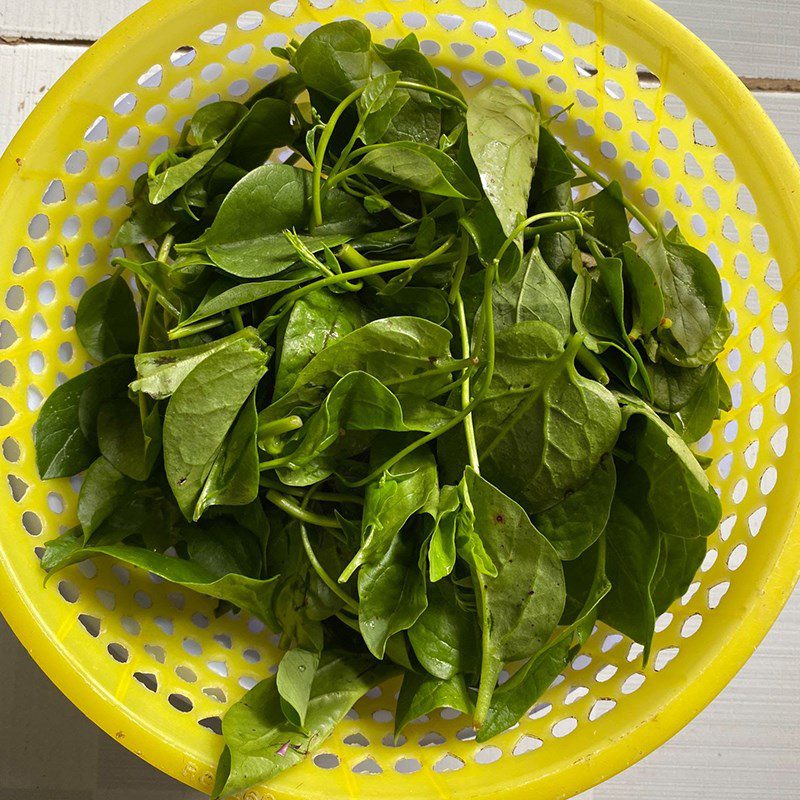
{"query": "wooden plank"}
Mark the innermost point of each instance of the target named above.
(63, 19)
(757, 39)
(28, 72)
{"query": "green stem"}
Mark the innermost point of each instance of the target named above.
(197, 327)
(277, 427)
(592, 365)
(443, 369)
(490, 671)
(461, 266)
(469, 428)
(323, 575)
(295, 510)
(597, 178)
(236, 318)
(431, 258)
(319, 156)
(488, 313)
(144, 335)
(325, 497)
(421, 87)
(449, 387)
(552, 227)
(526, 223)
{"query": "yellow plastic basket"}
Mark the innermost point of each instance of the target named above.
(654, 108)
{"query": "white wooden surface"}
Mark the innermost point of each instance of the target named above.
(745, 746)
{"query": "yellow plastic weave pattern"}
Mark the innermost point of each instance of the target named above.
(653, 108)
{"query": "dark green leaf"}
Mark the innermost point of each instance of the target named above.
(106, 320)
(104, 489)
(294, 681)
(610, 224)
(260, 743)
(127, 444)
(63, 447)
(423, 694)
(574, 524)
(553, 167)
(420, 167)
(647, 301)
(201, 412)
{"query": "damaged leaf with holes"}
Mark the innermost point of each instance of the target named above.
(380, 369)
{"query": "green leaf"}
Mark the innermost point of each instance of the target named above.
(388, 349)
(647, 300)
(577, 522)
(415, 301)
(559, 250)
(147, 221)
(335, 58)
(201, 412)
(553, 167)
(554, 431)
(211, 123)
(677, 490)
(358, 402)
(503, 136)
(106, 320)
(260, 742)
(317, 320)
(520, 607)
(104, 489)
(224, 294)
(511, 700)
(699, 413)
(610, 224)
(633, 548)
(533, 293)
(674, 386)
(693, 301)
(162, 372)
(246, 238)
(252, 595)
(680, 559)
(168, 181)
(446, 641)
(131, 447)
(63, 447)
(391, 585)
(294, 681)
(266, 126)
(233, 477)
(423, 694)
(442, 546)
(418, 166)
(376, 105)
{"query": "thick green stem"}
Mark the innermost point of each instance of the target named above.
(325, 497)
(552, 227)
(592, 365)
(597, 178)
(323, 575)
(277, 427)
(319, 156)
(526, 223)
(197, 327)
(236, 318)
(295, 510)
(144, 335)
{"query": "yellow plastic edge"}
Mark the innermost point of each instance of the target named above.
(702, 684)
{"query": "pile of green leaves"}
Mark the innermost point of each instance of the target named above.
(399, 396)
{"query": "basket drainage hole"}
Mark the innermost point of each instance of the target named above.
(369, 766)
(431, 738)
(356, 740)
(326, 761)
(214, 724)
(526, 744)
(69, 591)
(118, 652)
(147, 679)
(448, 763)
(91, 624)
(406, 766)
(180, 703)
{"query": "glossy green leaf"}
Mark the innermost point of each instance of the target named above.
(103, 490)
(610, 223)
(201, 412)
(63, 446)
(260, 742)
(423, 694)
(577, 522)
(418, 166)
(553, 167)
(132, 447)
(294, 681)
(503, 135)
(106, 320)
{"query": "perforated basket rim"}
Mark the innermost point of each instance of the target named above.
(704, 681)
